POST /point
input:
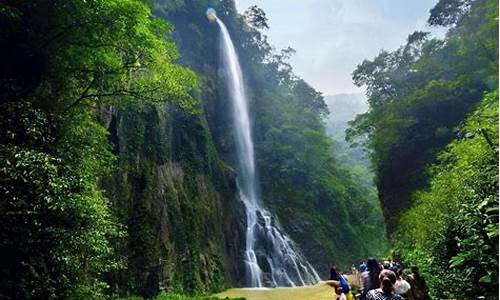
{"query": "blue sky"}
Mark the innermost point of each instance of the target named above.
(333, 36)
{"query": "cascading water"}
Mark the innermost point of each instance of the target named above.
(271, 257)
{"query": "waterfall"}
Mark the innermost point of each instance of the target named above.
(271, 257)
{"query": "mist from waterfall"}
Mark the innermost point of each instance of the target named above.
(271, 257)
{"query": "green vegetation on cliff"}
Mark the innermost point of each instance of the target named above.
(60, 60)
(452, 230)
(177, 200)
(419, 93)
(432, 129)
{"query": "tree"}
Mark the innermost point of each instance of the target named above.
(60, 61)
(449, 12)
(256, 17)
(418, 94)
(452, 230)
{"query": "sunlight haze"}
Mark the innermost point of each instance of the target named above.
(332, 37)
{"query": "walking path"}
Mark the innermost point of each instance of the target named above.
(320, 291)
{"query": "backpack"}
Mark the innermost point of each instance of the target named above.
(344, 284)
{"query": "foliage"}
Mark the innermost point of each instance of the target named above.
(453, 229)
(256, 17)
(56, 223)
(89, 50)
(435, 103)
(169, 188)
(418, 94)
(60, 58)
(449, 12)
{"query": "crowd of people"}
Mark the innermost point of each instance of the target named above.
(373, 280)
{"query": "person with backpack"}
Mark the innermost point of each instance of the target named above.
(338, 281)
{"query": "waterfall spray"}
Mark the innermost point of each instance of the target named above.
(271, 257)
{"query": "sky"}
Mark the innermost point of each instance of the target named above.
(332, 37)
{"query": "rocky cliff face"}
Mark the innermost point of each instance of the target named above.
(177, 200)
(173, 187)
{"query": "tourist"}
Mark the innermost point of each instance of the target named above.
(387, 279)
(334, 274)
(418, 286)
(396, 258)
(362, 267)
(355, 276)
(370, 277)
(334, 280)
(339, 294)
(401, 287)
(339, 282)
(335, 277)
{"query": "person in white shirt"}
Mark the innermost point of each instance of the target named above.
(401, 287)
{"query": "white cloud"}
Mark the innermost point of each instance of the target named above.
(333, 36)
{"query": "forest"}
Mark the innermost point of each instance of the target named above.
(432, 131)
(120, 173)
